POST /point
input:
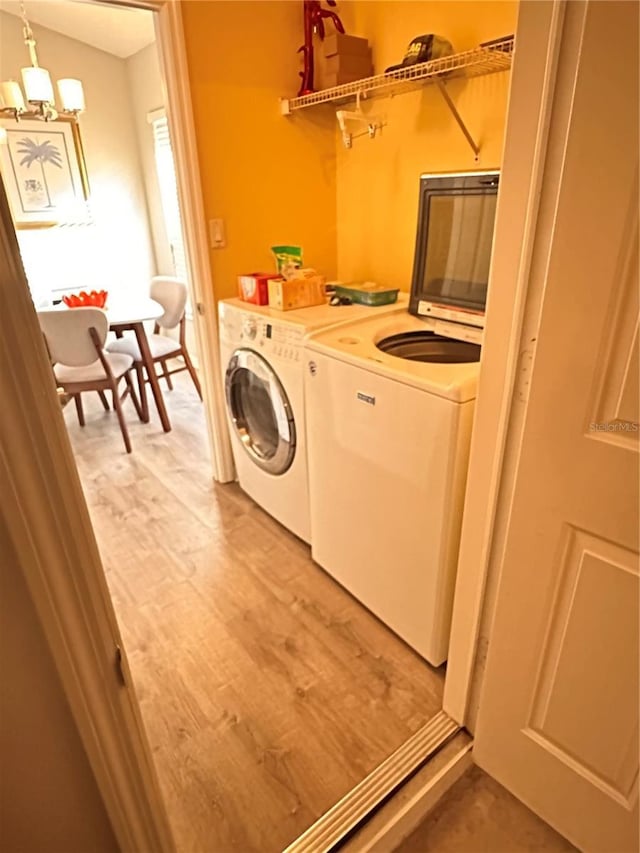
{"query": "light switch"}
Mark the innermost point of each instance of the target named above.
(216, 234)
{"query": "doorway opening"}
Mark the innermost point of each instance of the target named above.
(168, 511)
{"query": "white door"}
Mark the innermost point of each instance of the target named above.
(558, 716)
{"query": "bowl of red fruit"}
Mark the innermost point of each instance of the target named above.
(93, 299)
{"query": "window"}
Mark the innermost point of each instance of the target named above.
(169, 193)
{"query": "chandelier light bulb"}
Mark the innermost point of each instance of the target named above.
(11, 96)
(37, 85)
(71, 95)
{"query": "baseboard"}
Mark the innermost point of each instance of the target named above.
(349, 814)
(397, 819)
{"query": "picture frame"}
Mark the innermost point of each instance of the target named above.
(44, 172)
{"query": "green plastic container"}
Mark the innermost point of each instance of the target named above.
(368, 293)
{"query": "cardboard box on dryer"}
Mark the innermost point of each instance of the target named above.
(302, 292)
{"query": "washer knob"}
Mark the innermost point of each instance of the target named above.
(250, 328)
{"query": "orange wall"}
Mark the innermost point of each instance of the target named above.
(377, 180)
(289, 180)
(272, 179)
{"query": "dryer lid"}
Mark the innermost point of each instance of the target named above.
(454, 240)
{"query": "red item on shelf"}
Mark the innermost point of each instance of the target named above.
(314, 16)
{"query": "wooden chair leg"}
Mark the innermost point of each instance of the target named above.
(78, 401)
(165, 373)
(133, 395)
(105, 402)
(192, 372)
(121, 420)
(142, 390)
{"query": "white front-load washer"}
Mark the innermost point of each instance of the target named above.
(388, 442)
(262, 363)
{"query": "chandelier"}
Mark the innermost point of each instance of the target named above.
(38, 89)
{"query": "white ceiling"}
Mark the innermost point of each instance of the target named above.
(114, 29)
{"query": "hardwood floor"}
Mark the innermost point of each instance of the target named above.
(266, 690)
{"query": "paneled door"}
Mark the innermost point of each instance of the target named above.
(558, 714)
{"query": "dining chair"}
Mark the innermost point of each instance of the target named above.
(75, 340)
(171, 293)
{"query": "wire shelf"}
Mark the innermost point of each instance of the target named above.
(471, 63)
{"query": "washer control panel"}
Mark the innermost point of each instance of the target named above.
(273, 338)
(281, 340)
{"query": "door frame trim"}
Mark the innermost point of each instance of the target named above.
(506, 351)
(48, 524)
(174, 68)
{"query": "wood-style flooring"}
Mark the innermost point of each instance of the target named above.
(478, 815)
(266, 690)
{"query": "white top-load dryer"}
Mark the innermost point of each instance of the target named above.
(389, 406)
(262, 364)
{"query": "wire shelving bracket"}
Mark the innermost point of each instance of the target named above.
(471, 63)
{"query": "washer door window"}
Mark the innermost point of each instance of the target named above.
(260, 411)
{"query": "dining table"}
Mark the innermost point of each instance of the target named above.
(131, 314)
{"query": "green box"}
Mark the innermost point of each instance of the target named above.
(368, 294)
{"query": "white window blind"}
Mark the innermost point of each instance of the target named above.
(169, 193)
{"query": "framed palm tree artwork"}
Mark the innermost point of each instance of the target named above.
(44, 173)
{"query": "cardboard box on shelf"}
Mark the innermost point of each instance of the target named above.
(346, 63)
(331, 80)
(342, 43)
(296, 293)
(253, 287)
